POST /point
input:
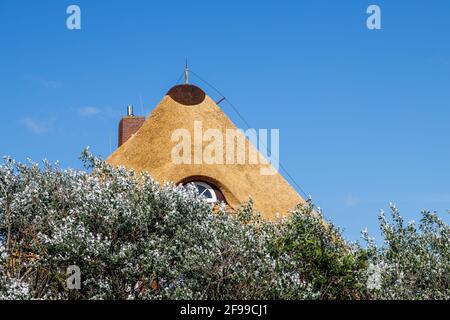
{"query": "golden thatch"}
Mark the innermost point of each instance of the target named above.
(151, 147)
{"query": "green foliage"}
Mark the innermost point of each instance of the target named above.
(133, 238)
(414, 263)
(320, 256)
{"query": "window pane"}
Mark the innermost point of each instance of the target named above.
(206, 190)
(200, 188)
(207, 194)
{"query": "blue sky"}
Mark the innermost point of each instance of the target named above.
(363, 115)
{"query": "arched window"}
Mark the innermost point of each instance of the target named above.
(206, 190)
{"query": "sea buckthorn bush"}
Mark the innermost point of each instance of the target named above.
(133, 238)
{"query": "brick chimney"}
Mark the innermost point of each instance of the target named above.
(129, 125)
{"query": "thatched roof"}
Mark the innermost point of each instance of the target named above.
(151, 147)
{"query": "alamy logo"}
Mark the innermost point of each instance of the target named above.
(73, 280)
(73, 22)
(374, 20)
(216, 146)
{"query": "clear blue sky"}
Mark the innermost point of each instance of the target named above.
(363, 115)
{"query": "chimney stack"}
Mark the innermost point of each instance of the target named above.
(129, 125)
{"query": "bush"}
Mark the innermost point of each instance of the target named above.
(317, 252)
(133, 238)
(414, 262)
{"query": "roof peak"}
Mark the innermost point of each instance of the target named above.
(187, 94)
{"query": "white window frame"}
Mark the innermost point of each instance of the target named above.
(209, 188)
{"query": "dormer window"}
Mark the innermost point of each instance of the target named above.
(206, 191)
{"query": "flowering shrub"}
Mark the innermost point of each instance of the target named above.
(414, 262)
(316, 251)
(132, 238)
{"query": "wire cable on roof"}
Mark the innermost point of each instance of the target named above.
(181, 76)
(248, 126)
